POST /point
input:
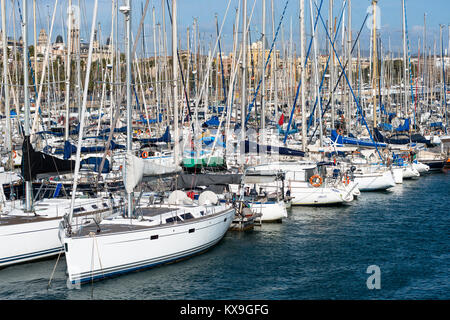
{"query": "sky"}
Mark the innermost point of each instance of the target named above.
(205, 11)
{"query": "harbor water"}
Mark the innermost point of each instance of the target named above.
(315, 253)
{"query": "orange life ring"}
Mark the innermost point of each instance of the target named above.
(346, 180)
(316, 180)
(144, 154)
(14, 154)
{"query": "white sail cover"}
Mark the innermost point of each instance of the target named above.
(136, 168)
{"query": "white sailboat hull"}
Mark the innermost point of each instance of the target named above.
(374, 181)
(409, 172)
(270, 211)
(104, 255)
(26, 238)
(397, 174)
(29, 241)
(420, 167)
(316, 196)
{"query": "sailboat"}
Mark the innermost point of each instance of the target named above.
(306, 185)
(152, 233)
(31, 231)
(263, 192)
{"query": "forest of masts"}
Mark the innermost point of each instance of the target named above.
(152, 65)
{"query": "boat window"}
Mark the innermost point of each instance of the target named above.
(309, 173)
(94, 206)
(105, 205)
(186, 216)
(202, 213)
(154, 237)
(172, 219)
(192, 230)
(80, 209)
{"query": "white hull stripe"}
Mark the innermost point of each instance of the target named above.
(29, 256)
(130, 267)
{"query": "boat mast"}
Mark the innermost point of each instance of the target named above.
(175, 78)
(78, 38)
(374, 61)
(83, 112)
(157, 71)
(274, 67)
(350, 66)
(244, 73)
(405, 67)
(316, 74)
(6, 87)
(331, 53)
(26, 95)
(68, 69)
(127, 12)
(443, 77)
(263, 83)
(35, 40)
(303, 73)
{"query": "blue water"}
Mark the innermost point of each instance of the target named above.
(316, 253)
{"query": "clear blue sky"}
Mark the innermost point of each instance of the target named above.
(437, 12)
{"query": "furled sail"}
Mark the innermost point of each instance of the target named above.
(136, 168)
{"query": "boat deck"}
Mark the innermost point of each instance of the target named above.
(10, 220)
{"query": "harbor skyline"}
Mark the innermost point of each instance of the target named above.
(205, 11)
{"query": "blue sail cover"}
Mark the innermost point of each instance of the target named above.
(116, 130)
(70, 148)
(385, 126)
(346, 140)
(404, 127)
(60, 133)
(209, 140)
(283, 132)
(150, 121)
(164, 138)
(253, 147)
(95, 162)
(213, 122)
(436, 125)
(391, 115)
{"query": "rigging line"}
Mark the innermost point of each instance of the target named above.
(349, 85)
(182, 76)
(267, 62)
(409, 60)
(323, 76)
(300, 82)
(223, 71)
(54, 268)
(342, 73)
(117, 112)
(198, 97)
(31, 68)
